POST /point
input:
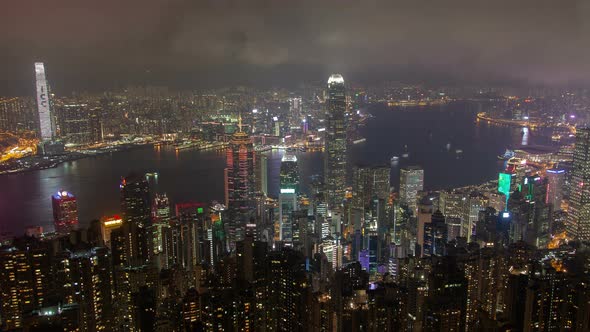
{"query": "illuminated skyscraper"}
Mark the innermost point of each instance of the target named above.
(555, 187)
(136, 207)
(578, 224)
(46, 122)
(335, 142)
(65, 211)
(240, 170)
(288, 197)
(410, 183)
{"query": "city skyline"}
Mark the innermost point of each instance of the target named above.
(295, 166)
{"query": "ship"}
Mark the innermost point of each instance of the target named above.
(394, 160)
(358, 141)
(507, 155)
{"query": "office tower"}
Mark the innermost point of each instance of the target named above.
(240, 170)
(410, 183)
(46, 121)
(435, 235)
(261, 173)
(65, 211)
(369, 182)
(295, 110)
(555, 187)
(335, 142)
(289, 188)
(107, 226)
(137, 222)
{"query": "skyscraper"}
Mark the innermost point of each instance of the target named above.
(435, 235)
(65, 211)
(46, 122)
(289, 188)
(240, 170)
(578, 223)
(368, 183)
(335, 142)
(555, 187)
(136, 207)
(410, 183)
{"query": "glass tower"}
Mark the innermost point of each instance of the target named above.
(578, 223)
(335, 142)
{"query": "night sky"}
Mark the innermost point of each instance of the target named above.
(103, 44)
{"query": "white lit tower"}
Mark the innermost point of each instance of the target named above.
(335, 142)
(46, 121)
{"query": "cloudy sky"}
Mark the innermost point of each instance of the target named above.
(182, 42)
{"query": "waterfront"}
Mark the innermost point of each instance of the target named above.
(198, 175)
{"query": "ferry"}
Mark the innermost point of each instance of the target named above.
(302, 149)
(507, 155)
(358, 141)
(394, 160)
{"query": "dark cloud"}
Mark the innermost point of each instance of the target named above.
(536, 41)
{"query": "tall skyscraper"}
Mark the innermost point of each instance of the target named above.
(555, 187)
(46, 121)
(65, 211)
(136, 207)
(410, 183)
(289, 188)
(335, 142)
(240, 170)
(578, 223)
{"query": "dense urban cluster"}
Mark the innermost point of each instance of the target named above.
(353, 254)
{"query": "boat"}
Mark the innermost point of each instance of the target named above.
(358, 141)
(394, 160)
(507, 155)
(290, 149)
(302, 149)
(458, 151)
(405, 155)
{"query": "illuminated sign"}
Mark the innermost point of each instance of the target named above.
(113, 222)
(200, 210)
(505, 215)
(556, 171)
(287, 191)
(504, 181)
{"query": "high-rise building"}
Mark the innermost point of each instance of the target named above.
(555, 187)
(87, 280)
(65, 211)
(46, 121)
(107, 226)
(289, 188)
(435, 235)
(137, 222)
(410, 183)
(240, 170)
(335, 142)
(369, 183)
(261, 173)
(578, 223)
